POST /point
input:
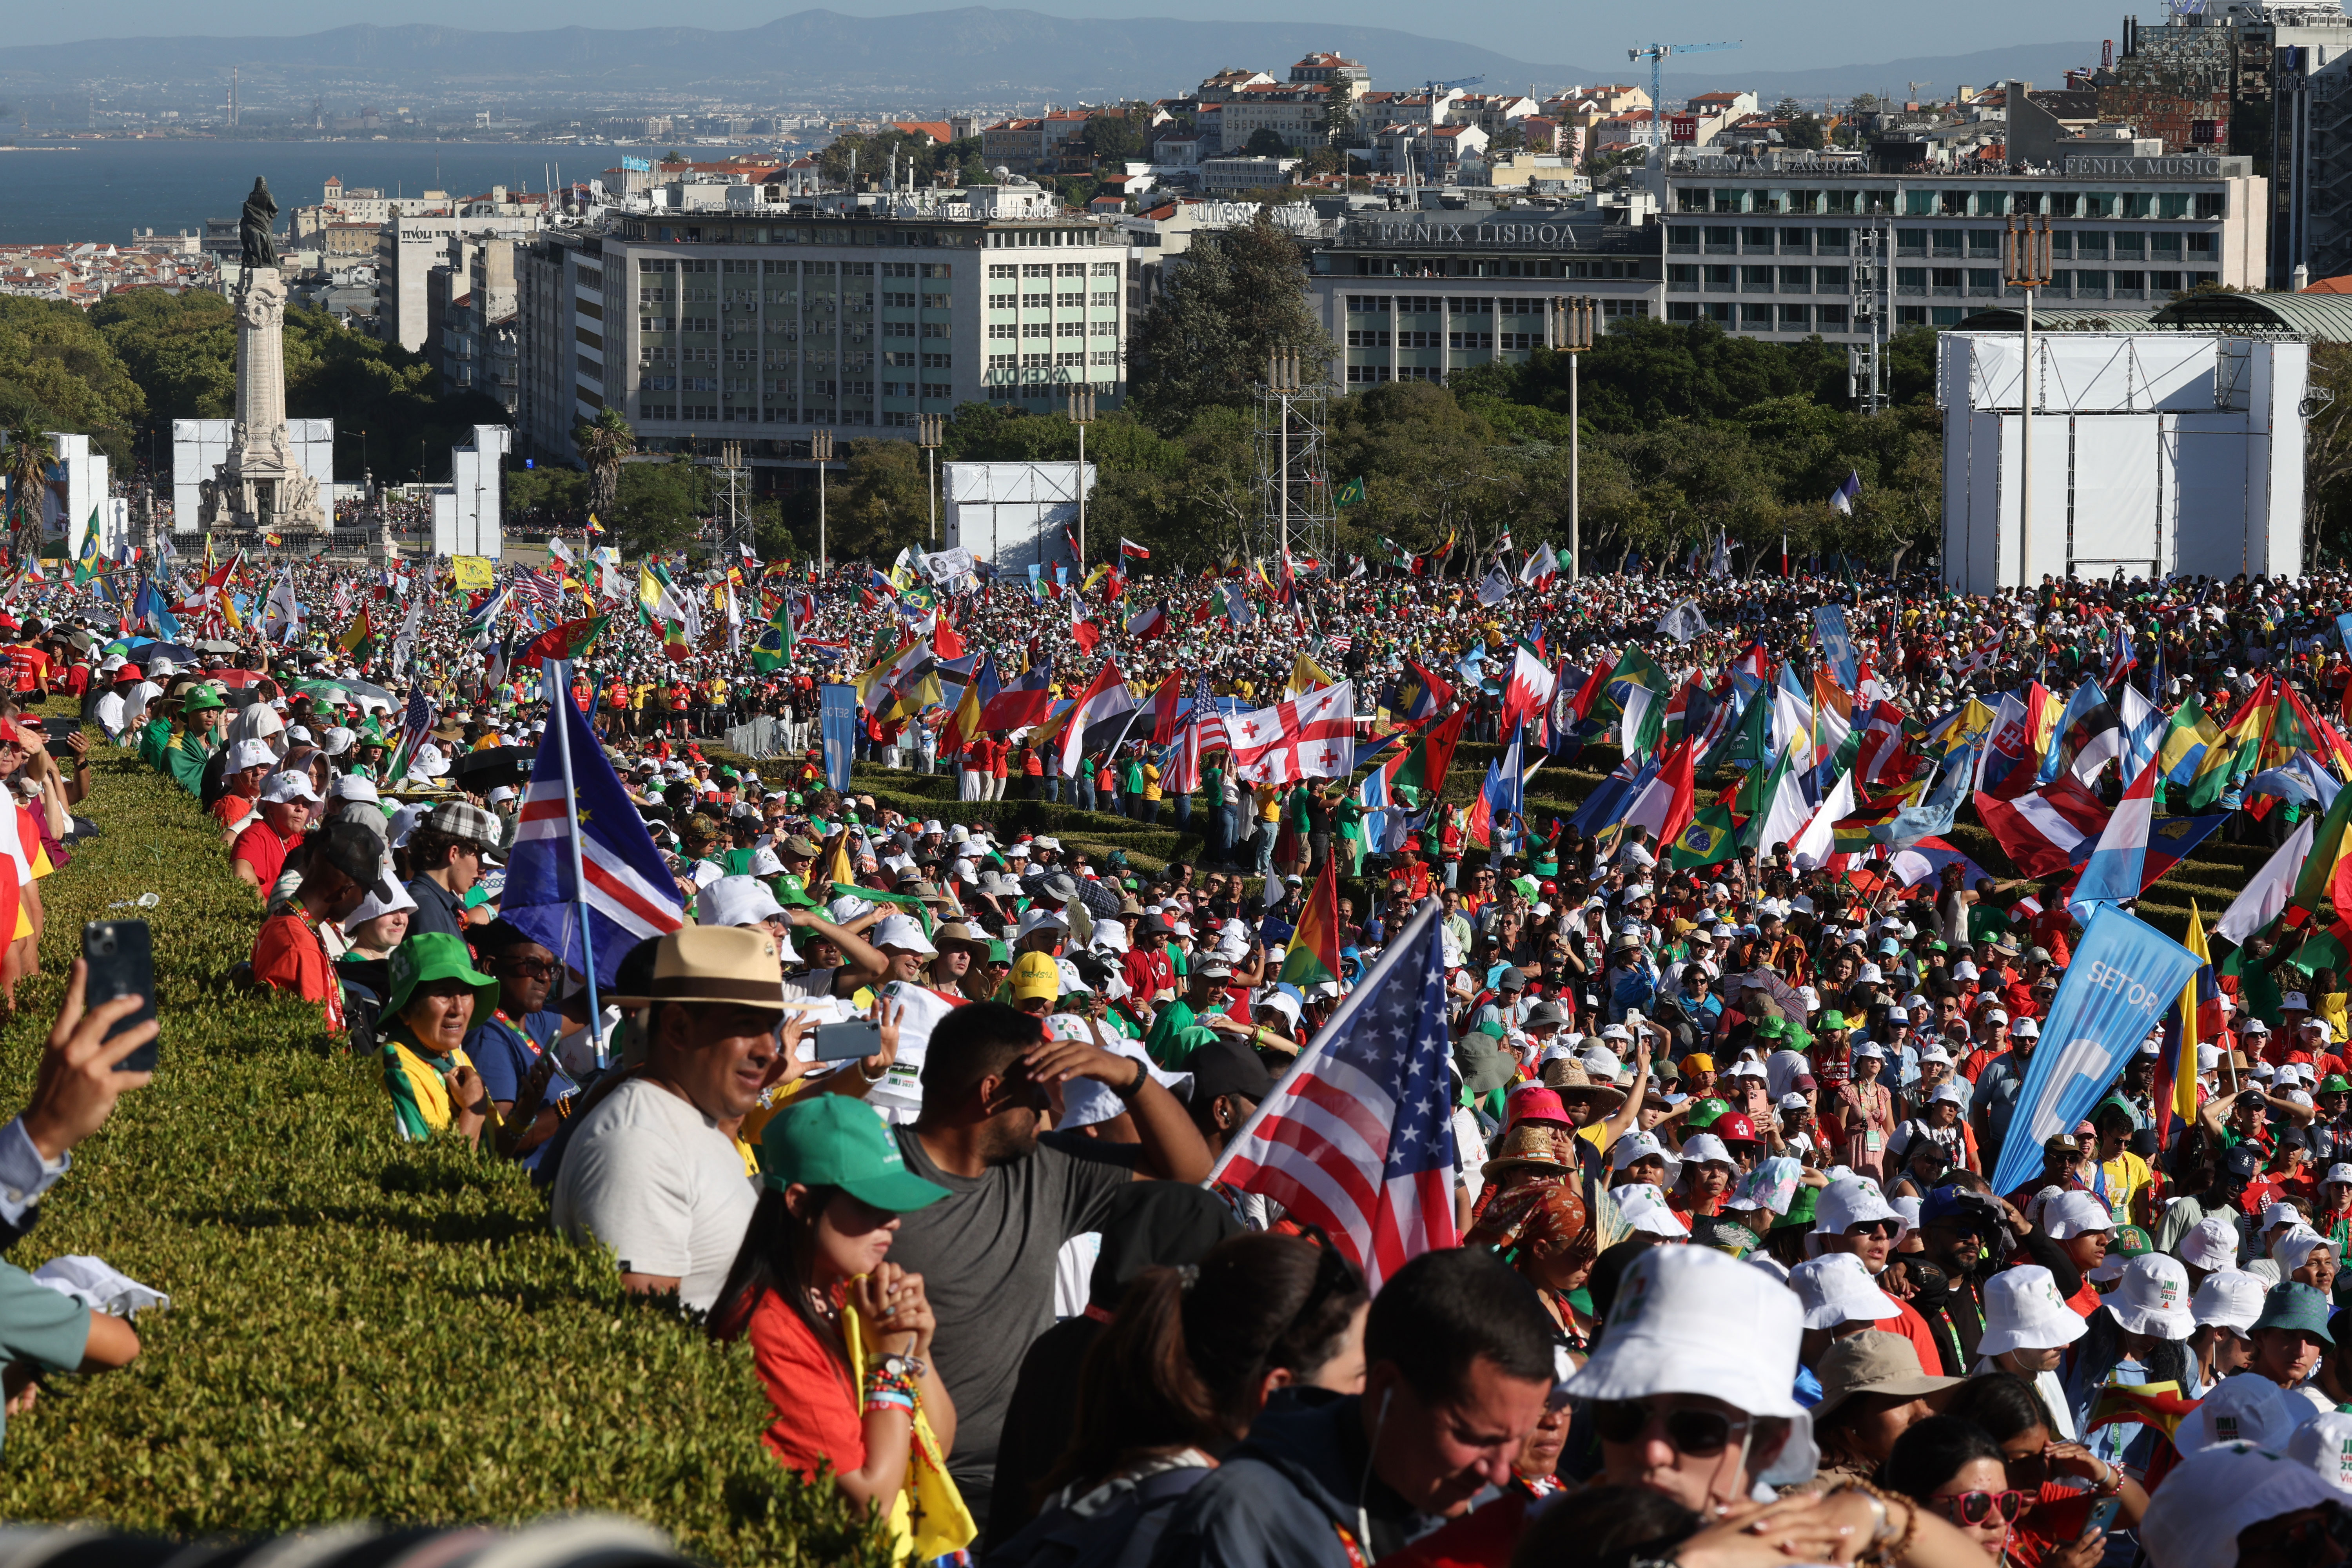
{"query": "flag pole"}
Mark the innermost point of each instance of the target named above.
(558, 679)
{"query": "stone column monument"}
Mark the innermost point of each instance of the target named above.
(262, 485)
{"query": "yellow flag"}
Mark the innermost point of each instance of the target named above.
(2184, 1065)
(473, 573)
(1305, 675)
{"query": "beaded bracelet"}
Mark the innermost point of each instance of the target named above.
(890, 1400)
(884, 1380)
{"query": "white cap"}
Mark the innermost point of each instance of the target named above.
(372, 906)
(2071, 1215)
(2324, 1443)
(1073, 982)
(1707, 1148)
(765, 863)
(1935, 1054)
(1836, 1288)
(288, 786)
(2339, 1171)
(2280, 1213)
(2249, 1409)
(1641, 1146)
(250, 754)
(902, 932)
(2210, 1244)
(736, 901)
(500, 795)
(2024, 1312)
(1690, 1320)
(2152, 1298)
(1947, 1094)
(2026, 1028)
(2231, 1298)
(2207, 1058)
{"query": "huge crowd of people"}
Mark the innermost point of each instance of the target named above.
(924, 1102)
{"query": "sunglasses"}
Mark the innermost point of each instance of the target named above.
(1698, 1433)
(1975, 1508)
(1879, 1227)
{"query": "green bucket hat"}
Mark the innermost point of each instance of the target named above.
(436, 955)
(833, 1141)
(1833, 1019)
(2335, 1083)
(793, 895)
(2290, 1305)
(200, 699)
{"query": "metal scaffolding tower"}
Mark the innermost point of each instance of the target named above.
(1296, 514)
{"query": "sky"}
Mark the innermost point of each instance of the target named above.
(1784, 35)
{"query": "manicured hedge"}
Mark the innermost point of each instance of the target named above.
(359, 1328)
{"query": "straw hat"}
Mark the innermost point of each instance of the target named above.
(1541, 1145)
(1566, 1075)
(728, 966)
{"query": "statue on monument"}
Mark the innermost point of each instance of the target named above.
(253, 230)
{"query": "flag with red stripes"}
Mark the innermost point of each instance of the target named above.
(1357, 1138)
(628, 889)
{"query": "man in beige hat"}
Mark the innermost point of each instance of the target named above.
(653, 1169)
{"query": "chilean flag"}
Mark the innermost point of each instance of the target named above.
(2113, 873)
(1148, 622)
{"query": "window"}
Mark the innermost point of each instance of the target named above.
(1002, 330)
(894, 416)
(1003, 302)
(1796, 318)
(1692, 199)
(897, 328)
(1036, 329)
(1830, 318)
(1945, 315)
(935, 329)
(1910, 315)
(938, 389)
(1070, 301)
(1717, 311)
(1919, 203)
(889, 269)
(1944, 279)
(1100, 300)
(1374, 373)
(1037, 269)
(938, 362)
(1755, 318)
(1682, 313)
(1470, 306)
(1368, 303)
(2200, 244)
(1993, 203)
(1419, 304)
(1365, 338)
(2164, 247)
(1418, 340)
(1106, 268)
(1004, 362)
(1103, 356)
(2164, 282)
(2090, 245)
(1070, 270)
(2091, 283)
(1796, 241)
(2137, 203)
(1910, 280)
(2130, 285)
(2130, 246)
(1755, 239)
(1946, 241)
(1721, 239)
(900, 362)
(1470, 340)
(1683, 237)
(1037, 302)
(898, 301)
(1727, 201)
(1984, 280)
(1756, 281)
(2172, 205)
(1828, 279)
(1520, 340)
(1069, 329)
(1681, 279)
(1911, 242)
(2065, 203)
(1102, 329)
(1795, 279)
(938, 268)
(1719, 279)
(2211, 205)
(1068, 358)
(1003, 270)
(2061, 243)
(1983, 242)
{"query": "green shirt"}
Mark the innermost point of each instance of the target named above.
(39, 1326)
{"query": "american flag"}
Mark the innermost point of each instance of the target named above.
(1358, 1136)
(1204, 707)
(1339, 645)
(538, 589)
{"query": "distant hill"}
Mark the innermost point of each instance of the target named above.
(971, 56)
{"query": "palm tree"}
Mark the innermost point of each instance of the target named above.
(604, 442)
(27, 469)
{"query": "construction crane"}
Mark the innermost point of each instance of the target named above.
(1657, 55)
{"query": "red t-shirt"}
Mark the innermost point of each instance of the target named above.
(1914, 1327)
(817, 1420)
(1148, 973)
(259, 847)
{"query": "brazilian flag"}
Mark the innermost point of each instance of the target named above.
(1710, 840)
(1349, 494)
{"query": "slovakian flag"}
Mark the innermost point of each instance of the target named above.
(2113, 873)
(569, 640)
(2048, 830)
(624, 882)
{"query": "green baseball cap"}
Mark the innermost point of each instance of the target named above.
(2290, 1305)
(2127, 1242)
(833, 1141)
(1706, 1113)
(436, 955)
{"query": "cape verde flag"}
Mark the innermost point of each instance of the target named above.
(1358, 1136)
(630, 895)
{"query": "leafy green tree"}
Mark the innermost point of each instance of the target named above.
(1112, 135)
(1338, 111)
(58, 372)
(1265, 141)
(1238, 298)
(547, 497)
(658, 506)
(882, 506)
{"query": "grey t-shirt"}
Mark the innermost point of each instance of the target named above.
(986, 1255)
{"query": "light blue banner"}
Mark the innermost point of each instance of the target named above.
(2344, 630)
(838, 719)
(2125, 974)
(1837, 644)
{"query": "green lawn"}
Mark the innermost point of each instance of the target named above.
(359, 1328)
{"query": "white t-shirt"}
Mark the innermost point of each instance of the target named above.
(899, 1096)
(653, 1178)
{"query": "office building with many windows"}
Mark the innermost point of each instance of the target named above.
(1412, 296)
(1790, 244)
(857, 317)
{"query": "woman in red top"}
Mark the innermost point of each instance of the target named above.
(2063, 1482)
(811, 1273)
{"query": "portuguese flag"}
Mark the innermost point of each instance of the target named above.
(569, 640)
(1314, 955)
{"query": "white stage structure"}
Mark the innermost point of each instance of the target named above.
(467, 510)
(1013, 513)
(199, 447)
(2157, 453)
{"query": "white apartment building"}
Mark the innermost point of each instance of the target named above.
(797, 315)
(407, 250)
(1789, 243)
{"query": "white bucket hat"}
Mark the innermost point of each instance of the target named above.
(2209, 1243)
(1690, 1320)
(2324, 1443)
(735, 901)
(1640, 1146)
(1707, 1148)
(2294, 1249)
(2070, 1215)
(2024, 1312)
(2249, 1409)
(2231, 1298)
(902, 932)
(2151, 1297)
(1850, 1200)
(1836, 1288)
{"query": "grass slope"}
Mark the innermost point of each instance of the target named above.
(359, 1328)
